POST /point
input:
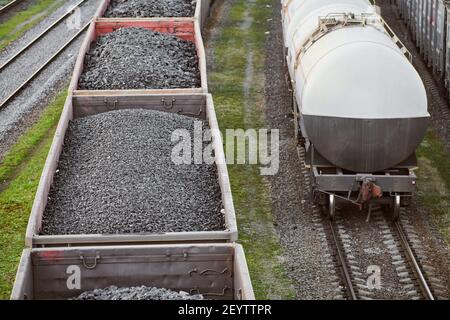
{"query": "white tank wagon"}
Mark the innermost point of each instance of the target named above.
(360, 104)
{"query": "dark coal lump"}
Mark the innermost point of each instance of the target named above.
(150, 8)
(116, 176)
(136, 293)
(138, 58)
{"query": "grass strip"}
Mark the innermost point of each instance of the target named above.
(434, 181)
(17, 198)
(26, 144)
(237, 83)
(13, 28)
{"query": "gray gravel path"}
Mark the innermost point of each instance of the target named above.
(116, 176)
(136, 293)
(137, 58)
(151, 8)
(307, 258)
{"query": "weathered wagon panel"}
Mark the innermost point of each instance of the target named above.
(217, 271)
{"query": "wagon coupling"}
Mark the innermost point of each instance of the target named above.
(368, 191)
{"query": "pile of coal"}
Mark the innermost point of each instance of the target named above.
(116, 175)
(150, 8)
(138, 58)
(136, 293)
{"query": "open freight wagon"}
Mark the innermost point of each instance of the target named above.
(216, 271)
(201, 12)
(194, 105)
(186, 29)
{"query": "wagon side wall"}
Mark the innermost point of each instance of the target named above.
(218, 271)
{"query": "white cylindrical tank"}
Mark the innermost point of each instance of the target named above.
(363, 104)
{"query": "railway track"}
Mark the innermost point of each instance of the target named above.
(9, 6)
(406, 272)
(425, 288)
(42, 67)
(411, 277)
(34, 41)
(342, 263)
(41, 35)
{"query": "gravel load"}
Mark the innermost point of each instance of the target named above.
(116, 176)
(136, 293)
(138, 58)
(150, 8)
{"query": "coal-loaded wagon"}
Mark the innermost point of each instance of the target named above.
(110, 177)
(158, 272)
(123, 9)
(360, 106)
(141, 56)
(134, 202)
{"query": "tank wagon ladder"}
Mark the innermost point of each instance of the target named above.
(335, 21)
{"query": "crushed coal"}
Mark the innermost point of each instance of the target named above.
(116, 176)
(136, 293)
(150, 8)
(138, 58)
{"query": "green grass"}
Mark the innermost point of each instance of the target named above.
(236, 110)
(16, 199)
(434, 181)
(27, 143)
(15, 27)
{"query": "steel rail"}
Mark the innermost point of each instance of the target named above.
(343, 264)
(36, 73)
(412, 259)
(42, 34)
(9, 6)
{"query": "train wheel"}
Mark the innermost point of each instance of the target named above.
(397, 205)
(332, 207)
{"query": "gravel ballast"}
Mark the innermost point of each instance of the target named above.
(306, 256)
(136, 293)
(150, 8)
(116, 176)
(138, 58)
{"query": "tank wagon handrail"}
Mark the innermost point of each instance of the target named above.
(335, 21)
